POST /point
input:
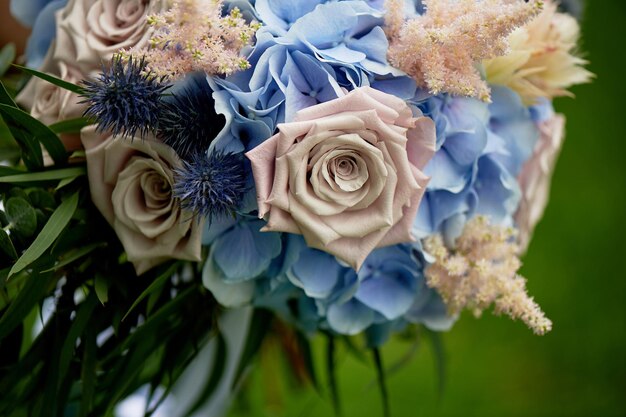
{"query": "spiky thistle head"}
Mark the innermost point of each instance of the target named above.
(188, 121)
(212, 186)
(126, 98)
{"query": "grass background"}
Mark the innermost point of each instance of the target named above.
(575, 267)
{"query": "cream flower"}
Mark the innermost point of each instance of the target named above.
(89, 32)
(541, 61)
(536, 176)
(346, 174)
(131, 184)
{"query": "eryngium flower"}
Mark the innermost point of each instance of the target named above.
(188, 121)
(125, 99)
(212, 186)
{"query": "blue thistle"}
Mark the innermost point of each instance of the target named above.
(212, 186)
(125, 98)
(188, 121)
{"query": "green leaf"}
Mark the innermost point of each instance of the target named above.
(6, 245)
(83, 315)
(4, 171)
(21, 215)
(102, 289)
(331, 368)
(88, 370)
(50, 175)
(7, 56)
(65, 182)
(70, 126)
(5, 97)
(55, 225)
(75, 255)
(20, 121)
(42, 199)
(259, 328)
(307, 355)
(35, 289)
(156, 284)
(382, 383)
(219, 365)
(51, 79)
(440, 360)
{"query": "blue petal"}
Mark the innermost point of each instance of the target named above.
(228, 294)
(244, 252)
(44, 31)
(391, 293)
(349, 318)
(316, 273)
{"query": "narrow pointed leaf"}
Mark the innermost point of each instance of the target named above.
(50, 175)
(440, 360)
(19, 119)
(156, 284)
(5, 97)
(34, 290)
(53, 228)
(331, 368)
(51, 79)
(70, 126)
(382, 383)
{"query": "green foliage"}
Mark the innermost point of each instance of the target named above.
(111, 331)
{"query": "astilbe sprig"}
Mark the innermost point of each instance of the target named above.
(188, 121)
(482, 270)
(194, 36)
(213, 185)
(442, 48)
(125, 99)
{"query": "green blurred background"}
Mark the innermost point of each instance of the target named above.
(575, 266)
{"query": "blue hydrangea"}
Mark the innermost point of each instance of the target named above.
(40, 16)
(480, 151)
(295, 65)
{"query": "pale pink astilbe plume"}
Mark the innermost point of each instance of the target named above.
(482, 270)
(442, 48)
(194, 36)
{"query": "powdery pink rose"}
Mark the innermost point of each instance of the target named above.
(536, 175)
(49, 103)
(346, 174)
(131, 184)
(89, 32)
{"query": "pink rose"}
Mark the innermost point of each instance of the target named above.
(346, 174)
(536, 175)
(131, 184)
(49, 103)
(89, 32)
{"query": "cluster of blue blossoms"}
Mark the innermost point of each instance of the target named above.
(480, 150)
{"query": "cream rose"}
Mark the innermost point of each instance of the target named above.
(89, 32)
(346, 174)
(131, 184)
(536, 176)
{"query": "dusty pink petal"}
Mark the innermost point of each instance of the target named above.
(535, 177)
(345, 174)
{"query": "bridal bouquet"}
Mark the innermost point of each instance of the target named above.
(191, 173)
